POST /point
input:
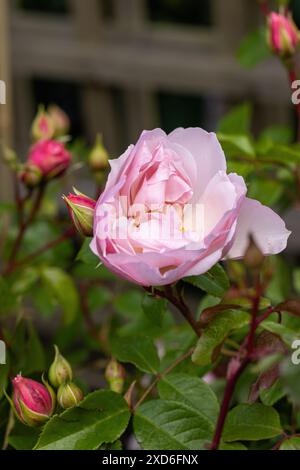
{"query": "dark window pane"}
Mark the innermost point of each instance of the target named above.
(64, 94)
(192, 12)
(181, 111)
(47, 6)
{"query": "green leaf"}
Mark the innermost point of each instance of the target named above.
(215, 333)
(154, 308)
(237, 121)
(100, 418)
(192, 392)
(291, 444)
(86, 255)
(235, 144)
(171, 425)
(287, 334)
(62, 287)
(273, 394)
(138, 350)
(7, 299)
(215, 282)
(297, 280)
(23, 437)
(251, 423)
(253, 49)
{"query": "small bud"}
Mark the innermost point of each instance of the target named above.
(33, 402)
(69, 395)
(60, 120)
(283, 36)
(98, 158)
(42, 126)
(50, 157)
(60, 370)
(253, 258)
(31, 175)
(81, 209)
(115, 376)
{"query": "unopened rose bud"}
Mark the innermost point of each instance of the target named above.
(283, 35)
(33, 402)
(42, 126)
(50, 157)
(98, 158)
(69, 395)
(60, 370)
(253, 258)
(60, 120)
(81, 209)
(115, 376)
(31, 175)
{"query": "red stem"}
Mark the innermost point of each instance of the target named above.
(232, 380)
(48, 246)
(23, 227)
(264, 7)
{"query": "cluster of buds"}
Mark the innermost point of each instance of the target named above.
(50, 123)
(47, 158)
(115, 376)
(81, 209)
(34, 403)
(283, 35)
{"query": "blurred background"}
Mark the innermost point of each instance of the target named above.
(121, 66)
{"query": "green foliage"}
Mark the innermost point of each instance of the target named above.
(138, 350)
(214, 282)
(253, 49)
(251, 423)
(222, 325)
(100, 418)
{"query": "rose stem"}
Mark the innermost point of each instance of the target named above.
(23, 227)
(231, 383)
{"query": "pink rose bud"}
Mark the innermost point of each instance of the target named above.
(69, 395)
(33, 402)
(115, 376)
(50, 157)
(60, 119)
(283, 35)
(81, 209)
(42, 126)
(98, 158)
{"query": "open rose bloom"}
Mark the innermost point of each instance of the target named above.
(170, 210)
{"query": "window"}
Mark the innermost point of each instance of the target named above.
(49, 6)
(189, 12)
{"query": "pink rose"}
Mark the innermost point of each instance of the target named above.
(170, 210)
(50, 157)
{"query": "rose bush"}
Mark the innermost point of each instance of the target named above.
(170, 210)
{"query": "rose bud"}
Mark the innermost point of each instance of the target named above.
(42, 126)
(115, 376)
(283, 35)
(81, 209)
(50, 157)
(98, 158)
(60, 370)
(31, 175)
(69, 395)
(254, 257)
(60, 119)
(33, 402)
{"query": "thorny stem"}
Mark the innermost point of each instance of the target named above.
(48, 246)
(161, 376)
(178, 302)
(23, 227)
(232, 380)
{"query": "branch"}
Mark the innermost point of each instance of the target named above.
(161, 376)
